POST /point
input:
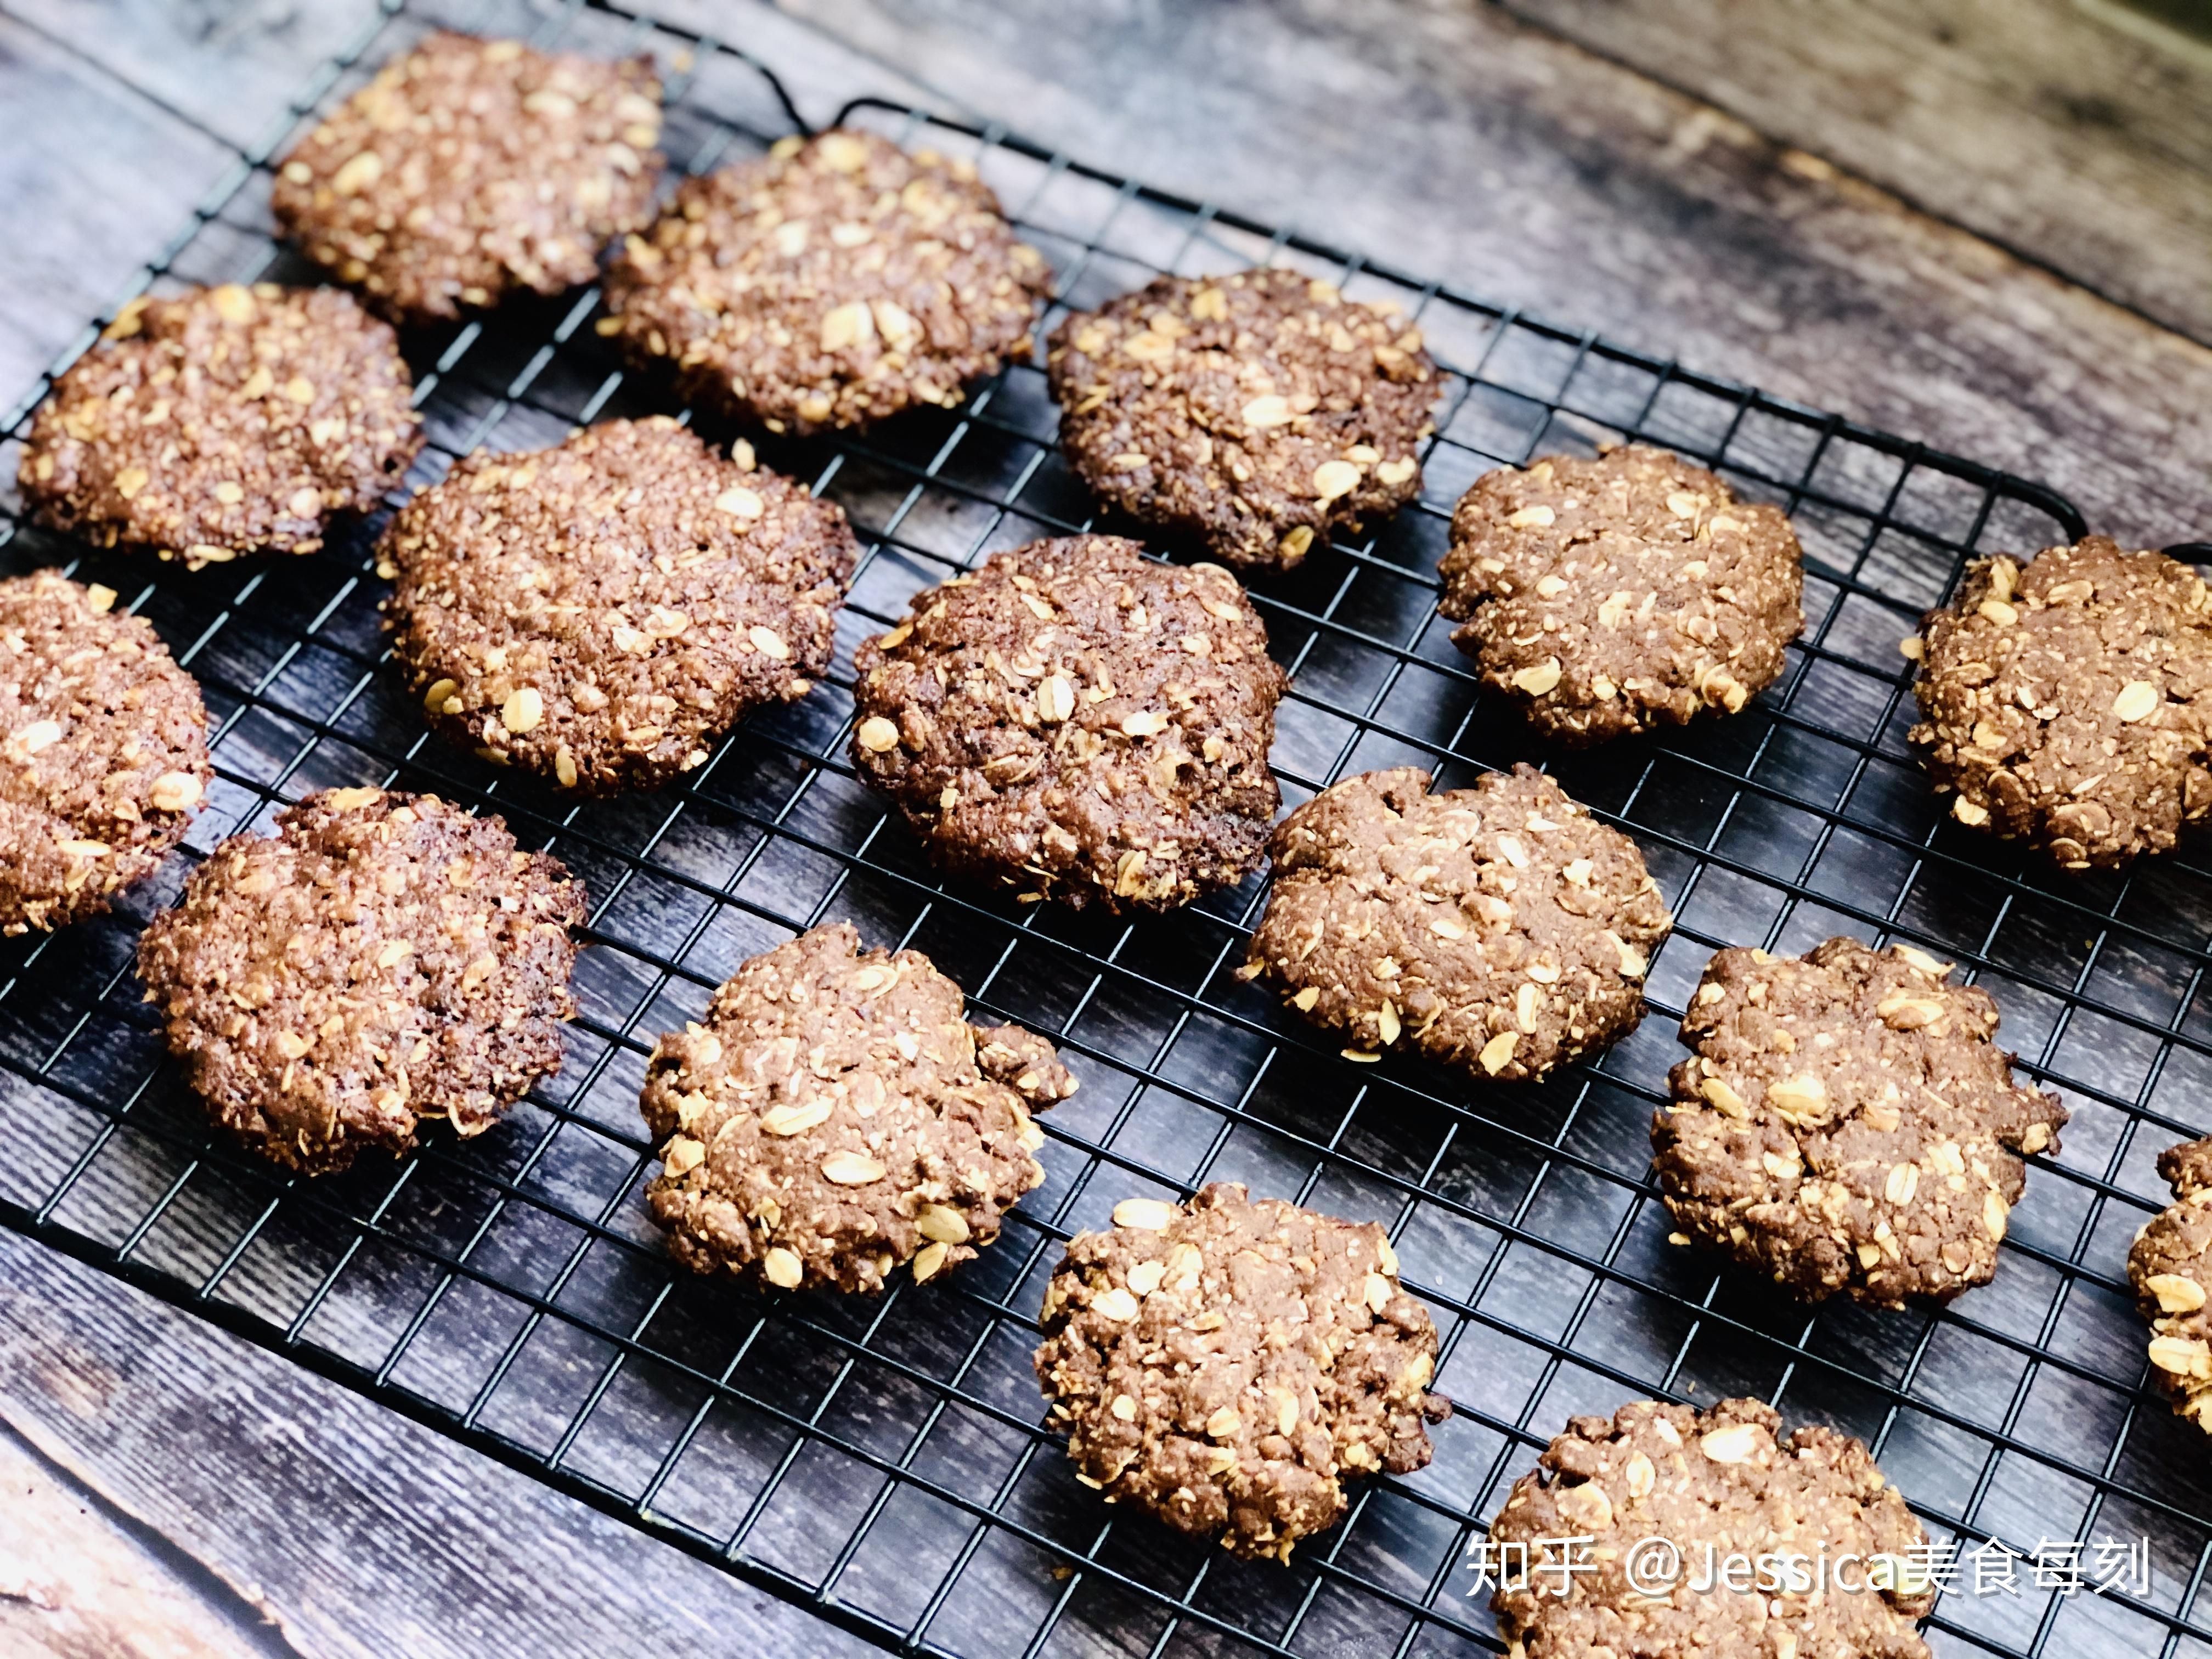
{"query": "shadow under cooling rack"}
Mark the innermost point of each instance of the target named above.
(884, 1462)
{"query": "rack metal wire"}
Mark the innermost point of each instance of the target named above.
(884, 1463)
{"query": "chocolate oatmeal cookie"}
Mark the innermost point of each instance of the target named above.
(226, 422)
(602, 610)
(1621, 594)
(1848, 1124)
(2070, 703)
(2170, 1269)
(1076, 720)
(1228, 1364)
(1729, 1479)
(103, 750)
(1251, 413)
(469, 169)
(836, 282)
(1500, 930)
(836, 1117)
(383, 957)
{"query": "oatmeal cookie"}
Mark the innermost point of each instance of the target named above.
(1847, 1123)
(2068, 703)
(602, 610)
(836, 1117)
(1729, 1479)
(1228, 1364)
(2170, 1269)
(469, 169)
(1076, 720)
(1500, 930)
(382, 959)
(103, 750)
(1251, 413)
(1622, 594)
(226, 422)
(836, 282)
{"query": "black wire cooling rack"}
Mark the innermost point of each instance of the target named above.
(884, 1462)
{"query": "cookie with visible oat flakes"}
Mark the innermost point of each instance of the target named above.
(1500, 930)
(2068, 702)
(1253, 412)
(1847, 1123)
(1620, 595)
(2170, 1266)
(835, 1116)
(103, 750)
(835, 283)
(382, 959)
(1075, 720)
(602, 610)
(469, 169)
(1230, 1364)
(226, 421)
(1728, 1481)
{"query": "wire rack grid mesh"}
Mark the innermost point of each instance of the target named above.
(885, 1463)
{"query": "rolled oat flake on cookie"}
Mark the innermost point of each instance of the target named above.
(2170, 1266)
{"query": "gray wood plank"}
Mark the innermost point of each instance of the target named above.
(1456, 142)
(92, 177)
(2050, 125)
(361, 1532)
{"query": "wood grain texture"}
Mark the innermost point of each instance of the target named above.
(1454, 141)
(2038, 123)
(362, 1534)
(76, 1583)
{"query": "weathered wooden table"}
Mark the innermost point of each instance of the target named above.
(1985, 223)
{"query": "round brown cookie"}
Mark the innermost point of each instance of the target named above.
(1621, 594)
(383, 957)
(1253, 412)
(1848, 1124)
(2070, 703)
(1499, 929)
(1226, 1366)
(835, 283)
(470, 168)
(103, 750)
(1726, 1479)
(1076, 721)
(602, 610)
(2170, 1269)
(836, 1116)
(226, 422)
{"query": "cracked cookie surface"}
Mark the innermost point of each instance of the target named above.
(103, 750)
(2068, 702)
(834, 1117)
(1500, 930)
(1074, 720)
(382, 959)
(1728, 1479)
(1847, 1124)
(1254, 413)
(601, 611)
(226, 422)
(1622, 594)
(836, 282)
(2170, 1266)
(469, 169)
(1227, 1365)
